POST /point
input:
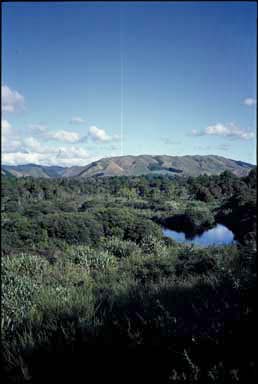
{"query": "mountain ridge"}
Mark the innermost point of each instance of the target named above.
(188, 165)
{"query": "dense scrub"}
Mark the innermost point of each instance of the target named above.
(90, 287)
(39, 213)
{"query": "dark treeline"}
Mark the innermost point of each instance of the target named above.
(204, 188)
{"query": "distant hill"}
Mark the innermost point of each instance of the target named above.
(138, 165)
(173, 165)
(33, 170)
(4, 172)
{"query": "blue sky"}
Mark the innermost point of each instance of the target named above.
(85, 80)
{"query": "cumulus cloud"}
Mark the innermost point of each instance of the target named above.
(38, 128)
(33, 145)
(6, 126)
(98, 134)
(72, 153)
(6, 130)
(13, 142)
(17, 149)
(16, 158)
(70, 137)
(12, 100)
(40, 145)
(228, 130)
(77, 120)
(42, 132)
(249, 101)
(10, 140)
(63, 156)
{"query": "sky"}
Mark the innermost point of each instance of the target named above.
(87, 80)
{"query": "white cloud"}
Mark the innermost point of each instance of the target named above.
(6, 126)
(17, 149)
(98, 135)
(77, 120)
(15, 158)
(63, 156)
(229, 130)
(22, 150)
(10, 141)
(38, 128)
(70, 137)
(33, 144)
(12, 100)
(249, 101)
(10, 145)
(38, 145)
(72, 153)
(41, 131)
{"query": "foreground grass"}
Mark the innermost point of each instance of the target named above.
(168, 313)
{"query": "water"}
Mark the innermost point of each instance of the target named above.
(219, 235)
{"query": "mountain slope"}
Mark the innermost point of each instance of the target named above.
(137, 165)
(33, 170)
(173, 165)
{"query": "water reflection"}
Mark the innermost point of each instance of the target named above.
(219, 235)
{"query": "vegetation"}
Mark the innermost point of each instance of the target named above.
(87, 277)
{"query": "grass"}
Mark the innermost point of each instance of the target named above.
(129, 307)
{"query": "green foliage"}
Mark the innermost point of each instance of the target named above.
(21, 281)
(195, 261)
(90, 258)
(106, 278)
(199, 217)
(120, 248)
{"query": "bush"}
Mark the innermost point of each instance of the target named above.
(90, 258)
(21, 283)
(120, 248)
(194, 261)
(199, 217)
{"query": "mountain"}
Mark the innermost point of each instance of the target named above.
(4, 172)
(137, 165)
(173, 165)
(33, 170)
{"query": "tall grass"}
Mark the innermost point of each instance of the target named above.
(141, 312)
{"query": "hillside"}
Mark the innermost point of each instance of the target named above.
(138, 165)
(174, 165)
(33, 170)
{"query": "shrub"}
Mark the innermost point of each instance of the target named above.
(120, 248)
(90, 258)
(194, 261)
(199, 217)
(21, 283)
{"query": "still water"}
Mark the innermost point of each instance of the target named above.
(219, 235)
